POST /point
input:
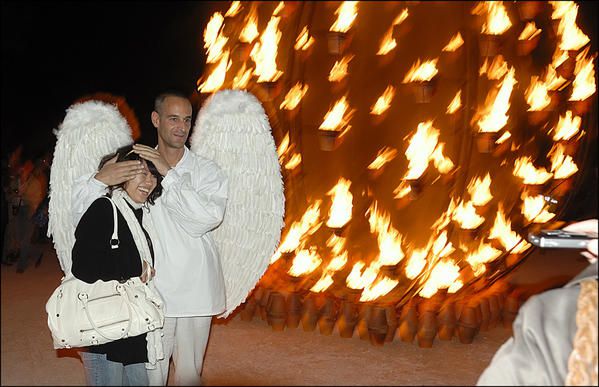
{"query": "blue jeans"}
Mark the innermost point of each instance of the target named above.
(100, 371)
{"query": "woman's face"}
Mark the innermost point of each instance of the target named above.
(142, 185)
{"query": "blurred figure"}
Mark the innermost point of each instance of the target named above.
(10, 186)
(555, 332)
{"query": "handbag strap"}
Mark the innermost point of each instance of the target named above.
(121, 291)
(114, 240)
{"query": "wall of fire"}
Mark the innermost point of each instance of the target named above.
(419, 142)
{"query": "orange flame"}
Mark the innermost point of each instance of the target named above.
(416, 263)
(384, 101)
(483, 254)
(305, 262)
(378, 289)
(338, 117)
(389, 239)
(233, 9)
(323, 283)
(567, 127)
(294, 96)
(264, 52)
(304, 40)
(422, 145)
(496, 117)
(497, 19)
(502, 231)
(283, 146)
(572, 37)
(441, 246)
(337, 244)
(455, 43)
(560, 8)
(214, 41)
(388, 43)
(298, 231)
(480, 190)
(215, 80)
(339, 70)
(552, 80)
(250, 31)
(358, 279)
(346, 14)
(279, 8)
(295, 160)
(503, 137)
(442, 163)
(524, 169)
(562, 165)
(383, 156)
(442, 276)
(584, 84)
(537, 95)
(533, 209)
(402, 190)
(242, 78)
(529, 31)
(456, 103)
(341, 209)
(495, 70)
(422, 72)
(465, 215)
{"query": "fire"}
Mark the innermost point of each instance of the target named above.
(283, 146)
(215, 80)
(495, 70)
(533, 209)
(480, 190)
(422, 145)
(305, 262)
(383, 102)
(341, 209)
(378, 289)
(562, 165)
(346, 14)
(529, 32)
(495, 119)
(502, 231)
(242, 78)
(264, 52)
(295, 160)
(401, 17)
(304, 40)
(442, 163)
(584, 84)
(294, 96)
(339, 70)
(455, 43)
(441, 247)
(279, 8)
(442, 276)
(250, 31)
(524, 169)
(465, 215)
(338, 117)
(337, 244)
(422, 72)
(560, 8)
(483, 254)
(323, 283)
(456, 103)
(416, 263)
(572, 37)
(445, 217)
(402, 190)
(308, 225)
(389, 239)
(567, 127)
(552, 80)
(214, 42)
(537, 95)
(233, 9)
(383, 157)
(497, 19)
(387, 43)
(503, 137)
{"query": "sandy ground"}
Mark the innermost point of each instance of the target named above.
(251, 353)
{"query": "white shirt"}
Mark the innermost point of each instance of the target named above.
(188, 270)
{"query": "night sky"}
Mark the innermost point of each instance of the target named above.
(56, 52)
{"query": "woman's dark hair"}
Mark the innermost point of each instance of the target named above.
(126, 153)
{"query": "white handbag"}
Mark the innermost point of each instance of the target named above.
(82, 314)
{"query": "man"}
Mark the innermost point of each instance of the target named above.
(188, 271)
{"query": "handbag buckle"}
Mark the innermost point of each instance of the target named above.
(82, 296)
(114, 243)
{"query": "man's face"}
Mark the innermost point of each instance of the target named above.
(173, 122)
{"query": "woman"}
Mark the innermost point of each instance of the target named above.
(119, 362)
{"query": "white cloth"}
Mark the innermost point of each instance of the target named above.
(188, 272)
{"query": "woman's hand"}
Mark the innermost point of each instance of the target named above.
(147, 272)
(588, 227)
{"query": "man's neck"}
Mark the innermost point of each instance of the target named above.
(171, 155)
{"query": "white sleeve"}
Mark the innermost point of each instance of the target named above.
(85, 190)
(196, 203)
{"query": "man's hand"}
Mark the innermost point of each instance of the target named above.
(154, 156)
(113, 173)
(589, 227)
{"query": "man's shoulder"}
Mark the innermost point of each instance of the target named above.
(197, 161)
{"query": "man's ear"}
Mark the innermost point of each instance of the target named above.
(155, 119)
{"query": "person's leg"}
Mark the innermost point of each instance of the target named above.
(114, 373)
(135, 375)
(191, 338)
(95, 367)
(25, 232)
(159, 375)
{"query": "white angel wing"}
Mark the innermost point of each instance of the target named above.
(232, 129)
(90, 130)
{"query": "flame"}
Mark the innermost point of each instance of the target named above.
(495, 119)
(442, 276)
(242, 78)
(465, 215)
(480, 190)
(502, 231)
(340, 212)
(422, 145)
(383, 156)
(295, 160)
(483, 254)
(496, 69)
(560, 8)
(559, 57)
(402, 190)
(304, 40)
(264, 52)
(497, 19)
(346, 14)
(383, 102)
(416, 263)
(529, 31)
(279, 8)
(389, 239)
(584, 84)
(214, 41)
(456, 103)
(298, 231)
(572, 38)
(378, 289)
(233, 9)
(445, 217)
(562, 165)
(215, 80)
(250, 31)
(305, 262)
(387, 43)
(537, 95)
(441, 247)
(283, 146)
(323, 283)
(533, 209)
(358, 279)
(339, 70)
(567, 127)
(294, 96)
(455, 43)
(401, 17)
(337, 244)
(338, 117)
(422, 72)
(552, 80)
(503, 137)
(442, 163)
(524, 169)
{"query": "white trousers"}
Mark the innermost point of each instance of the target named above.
(185, 339)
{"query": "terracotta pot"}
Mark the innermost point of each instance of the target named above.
(510, 309)
(338, 42)
(427, 329)
(485, 313)
(494, 310)
(392, 323)
(447, 321)
(528, 10)
(328, 316)
(525, 47)
(276, 311)
(309, 314)
(581, 107)
(469, 322)
(485, 141)
(364, 317)
(263, 303)
(377, 326)
(348, 319)
(249, 308)
(329, 139)
(538, 117)
(423, 91)
(294, 310)
(408, 323)
(490, 45)
(271, 89)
